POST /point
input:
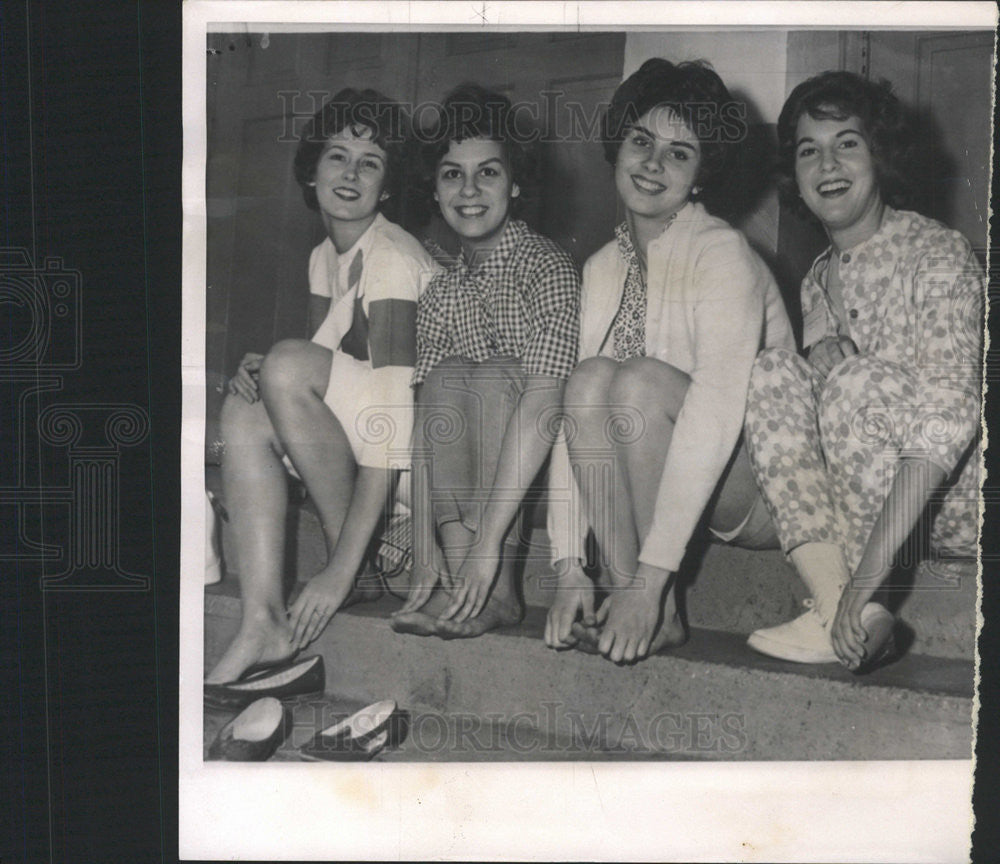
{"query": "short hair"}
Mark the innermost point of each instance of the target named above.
(686, 88)
(885, 122)
(472, 111)
(354, 108)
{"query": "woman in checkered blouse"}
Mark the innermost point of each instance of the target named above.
(674, 310)
(496, 342)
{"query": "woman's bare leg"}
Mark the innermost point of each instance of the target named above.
(350, 501)
(459, 466)
(597, 466)
(649, 393)
(256, 494)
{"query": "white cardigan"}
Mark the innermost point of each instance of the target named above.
(712, 304)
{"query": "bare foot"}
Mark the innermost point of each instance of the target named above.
(257, 643)
(497, 612)
(671, 633)
(423, 622)
(632, 613)
(587, 637)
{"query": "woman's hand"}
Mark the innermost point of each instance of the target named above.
(244, 382)
(574, 594)
(422, 584)
(630, 615)
(472, 587)
(850, 641)
(828, 352)
(321, 597)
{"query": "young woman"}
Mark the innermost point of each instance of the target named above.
(337, 410)
(875, 432)
(497, 339)
(674, 311)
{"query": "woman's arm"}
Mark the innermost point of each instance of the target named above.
(948, 290)
(323, 595)
(915, 480)
(728, 322)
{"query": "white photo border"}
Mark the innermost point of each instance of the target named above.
(865, 811)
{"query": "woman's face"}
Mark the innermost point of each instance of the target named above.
(835, 173)
(657, 165)
(350, 175)
(474, 187)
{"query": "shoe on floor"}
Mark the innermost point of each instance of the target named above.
(294, 678)
(805, 639)
(254, 734)
(361, 736)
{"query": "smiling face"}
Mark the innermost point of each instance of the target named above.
(474, 187)
(350, 178)
(836, 176)
(657, 165)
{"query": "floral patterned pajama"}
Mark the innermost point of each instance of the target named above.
(825, 452)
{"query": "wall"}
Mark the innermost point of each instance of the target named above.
(752, 63)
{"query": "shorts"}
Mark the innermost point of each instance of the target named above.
(756, 531)
(379, 434)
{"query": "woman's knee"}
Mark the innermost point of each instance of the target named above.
(774, 367)
(779, 379)
(435, 377)
(864, 375)
(645, 381)
(861, 401)
(292, 365)
(588, 385)
(242, 420)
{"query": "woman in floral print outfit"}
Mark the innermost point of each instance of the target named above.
(874, 433)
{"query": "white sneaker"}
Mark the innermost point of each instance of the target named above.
(805, 639)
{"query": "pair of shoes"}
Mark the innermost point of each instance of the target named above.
(806, 639)
(254, 734)
(361, 736)
(291, 678)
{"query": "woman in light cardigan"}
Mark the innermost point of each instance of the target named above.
(673, 313)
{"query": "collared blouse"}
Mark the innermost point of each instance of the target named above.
(523, 301)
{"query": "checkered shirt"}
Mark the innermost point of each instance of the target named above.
(522, 301)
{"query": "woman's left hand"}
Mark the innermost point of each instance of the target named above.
(848, 636)
(317, 603)
(472, 587)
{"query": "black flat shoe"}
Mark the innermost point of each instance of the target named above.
(359, 737)
(252, 735)
(296, 678)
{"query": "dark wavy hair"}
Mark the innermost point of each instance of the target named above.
(886, 124)
(472, 111)
(695, 92)
(355, 108)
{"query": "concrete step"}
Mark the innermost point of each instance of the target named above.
(723, 587)
(711, 699)
(740, 590)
